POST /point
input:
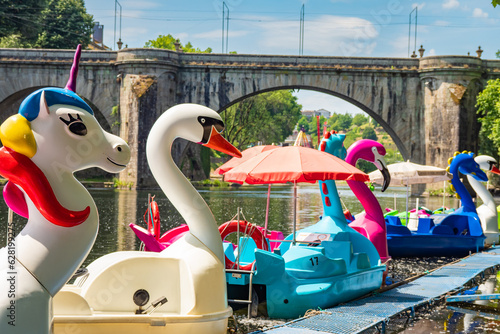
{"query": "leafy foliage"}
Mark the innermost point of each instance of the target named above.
(495, 2)
(18, 21)
(369, 133)
(56, 24)
(359, 119)
(488, 106)
(266, 118)
(168, 42)
(66, 24)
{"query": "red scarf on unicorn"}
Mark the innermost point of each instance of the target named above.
(21, 171)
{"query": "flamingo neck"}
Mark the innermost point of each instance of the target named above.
(483, 193)
(365, 195)
(179, 190)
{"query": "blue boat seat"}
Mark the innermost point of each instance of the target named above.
(393, 220)
(362, 260)
(425, 225)
(398, 229)
(442, 230)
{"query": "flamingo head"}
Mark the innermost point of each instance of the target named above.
(374, 152)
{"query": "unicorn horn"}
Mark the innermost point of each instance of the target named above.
(71, 85)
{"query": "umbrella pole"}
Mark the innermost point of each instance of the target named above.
(444, 192)
(267, 210)
(406, 204)
(294, 210)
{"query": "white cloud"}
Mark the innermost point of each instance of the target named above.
(442, 23)
(478, 12)
(432, 52)
(449, 4)
(324, 35)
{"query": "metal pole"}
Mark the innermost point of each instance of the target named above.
(225, 27)
(301, 31)
(114, 33)
(294, 210)
(416, 18)
(267, 209)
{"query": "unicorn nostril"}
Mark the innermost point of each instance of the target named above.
(119, 148)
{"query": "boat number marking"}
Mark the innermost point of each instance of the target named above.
(314, 260)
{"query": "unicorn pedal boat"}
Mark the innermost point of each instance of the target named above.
(181, 289)
(454, 234)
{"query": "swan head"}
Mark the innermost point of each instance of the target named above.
(374, 152)
(487, 163)
(195, 123)
(464, 162)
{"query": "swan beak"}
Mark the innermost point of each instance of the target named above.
(495, 170)
(219, 143)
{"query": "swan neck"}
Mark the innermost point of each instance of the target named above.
(179, 190)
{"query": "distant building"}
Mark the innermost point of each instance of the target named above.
(313, 113)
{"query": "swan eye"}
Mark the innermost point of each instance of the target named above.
(208, 124)
(75, 125)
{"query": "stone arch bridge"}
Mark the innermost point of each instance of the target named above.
(425, 104)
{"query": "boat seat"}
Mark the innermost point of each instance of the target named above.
(442, 230)
(362, 260)
(68, 301)
(425, 225)
(397, 229)
(393, 220)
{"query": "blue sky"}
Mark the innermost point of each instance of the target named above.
(331, 28)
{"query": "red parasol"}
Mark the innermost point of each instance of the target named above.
(245, 155)
(293, 164)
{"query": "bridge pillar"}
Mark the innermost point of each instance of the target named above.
(450, 86)
(138, 94)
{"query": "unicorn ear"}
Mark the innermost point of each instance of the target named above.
(44, 108)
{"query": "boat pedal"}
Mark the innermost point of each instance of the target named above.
(157, 303)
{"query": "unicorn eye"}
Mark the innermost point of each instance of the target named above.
(75, 125)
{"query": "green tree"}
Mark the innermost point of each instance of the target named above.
(168, 42)
(19, 22)
(343, 122)
(303, 123)
(66, 24)
(495, 2)
(488, 108)
(267, 118)
(359, 119)
(369, 133)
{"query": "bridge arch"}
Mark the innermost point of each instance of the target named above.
(426, 104)
(399, 143)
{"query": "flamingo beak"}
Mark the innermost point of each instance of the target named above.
(219, 143)
(495, 170)
(387, 178)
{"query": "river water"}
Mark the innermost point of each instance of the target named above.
(118, 208)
